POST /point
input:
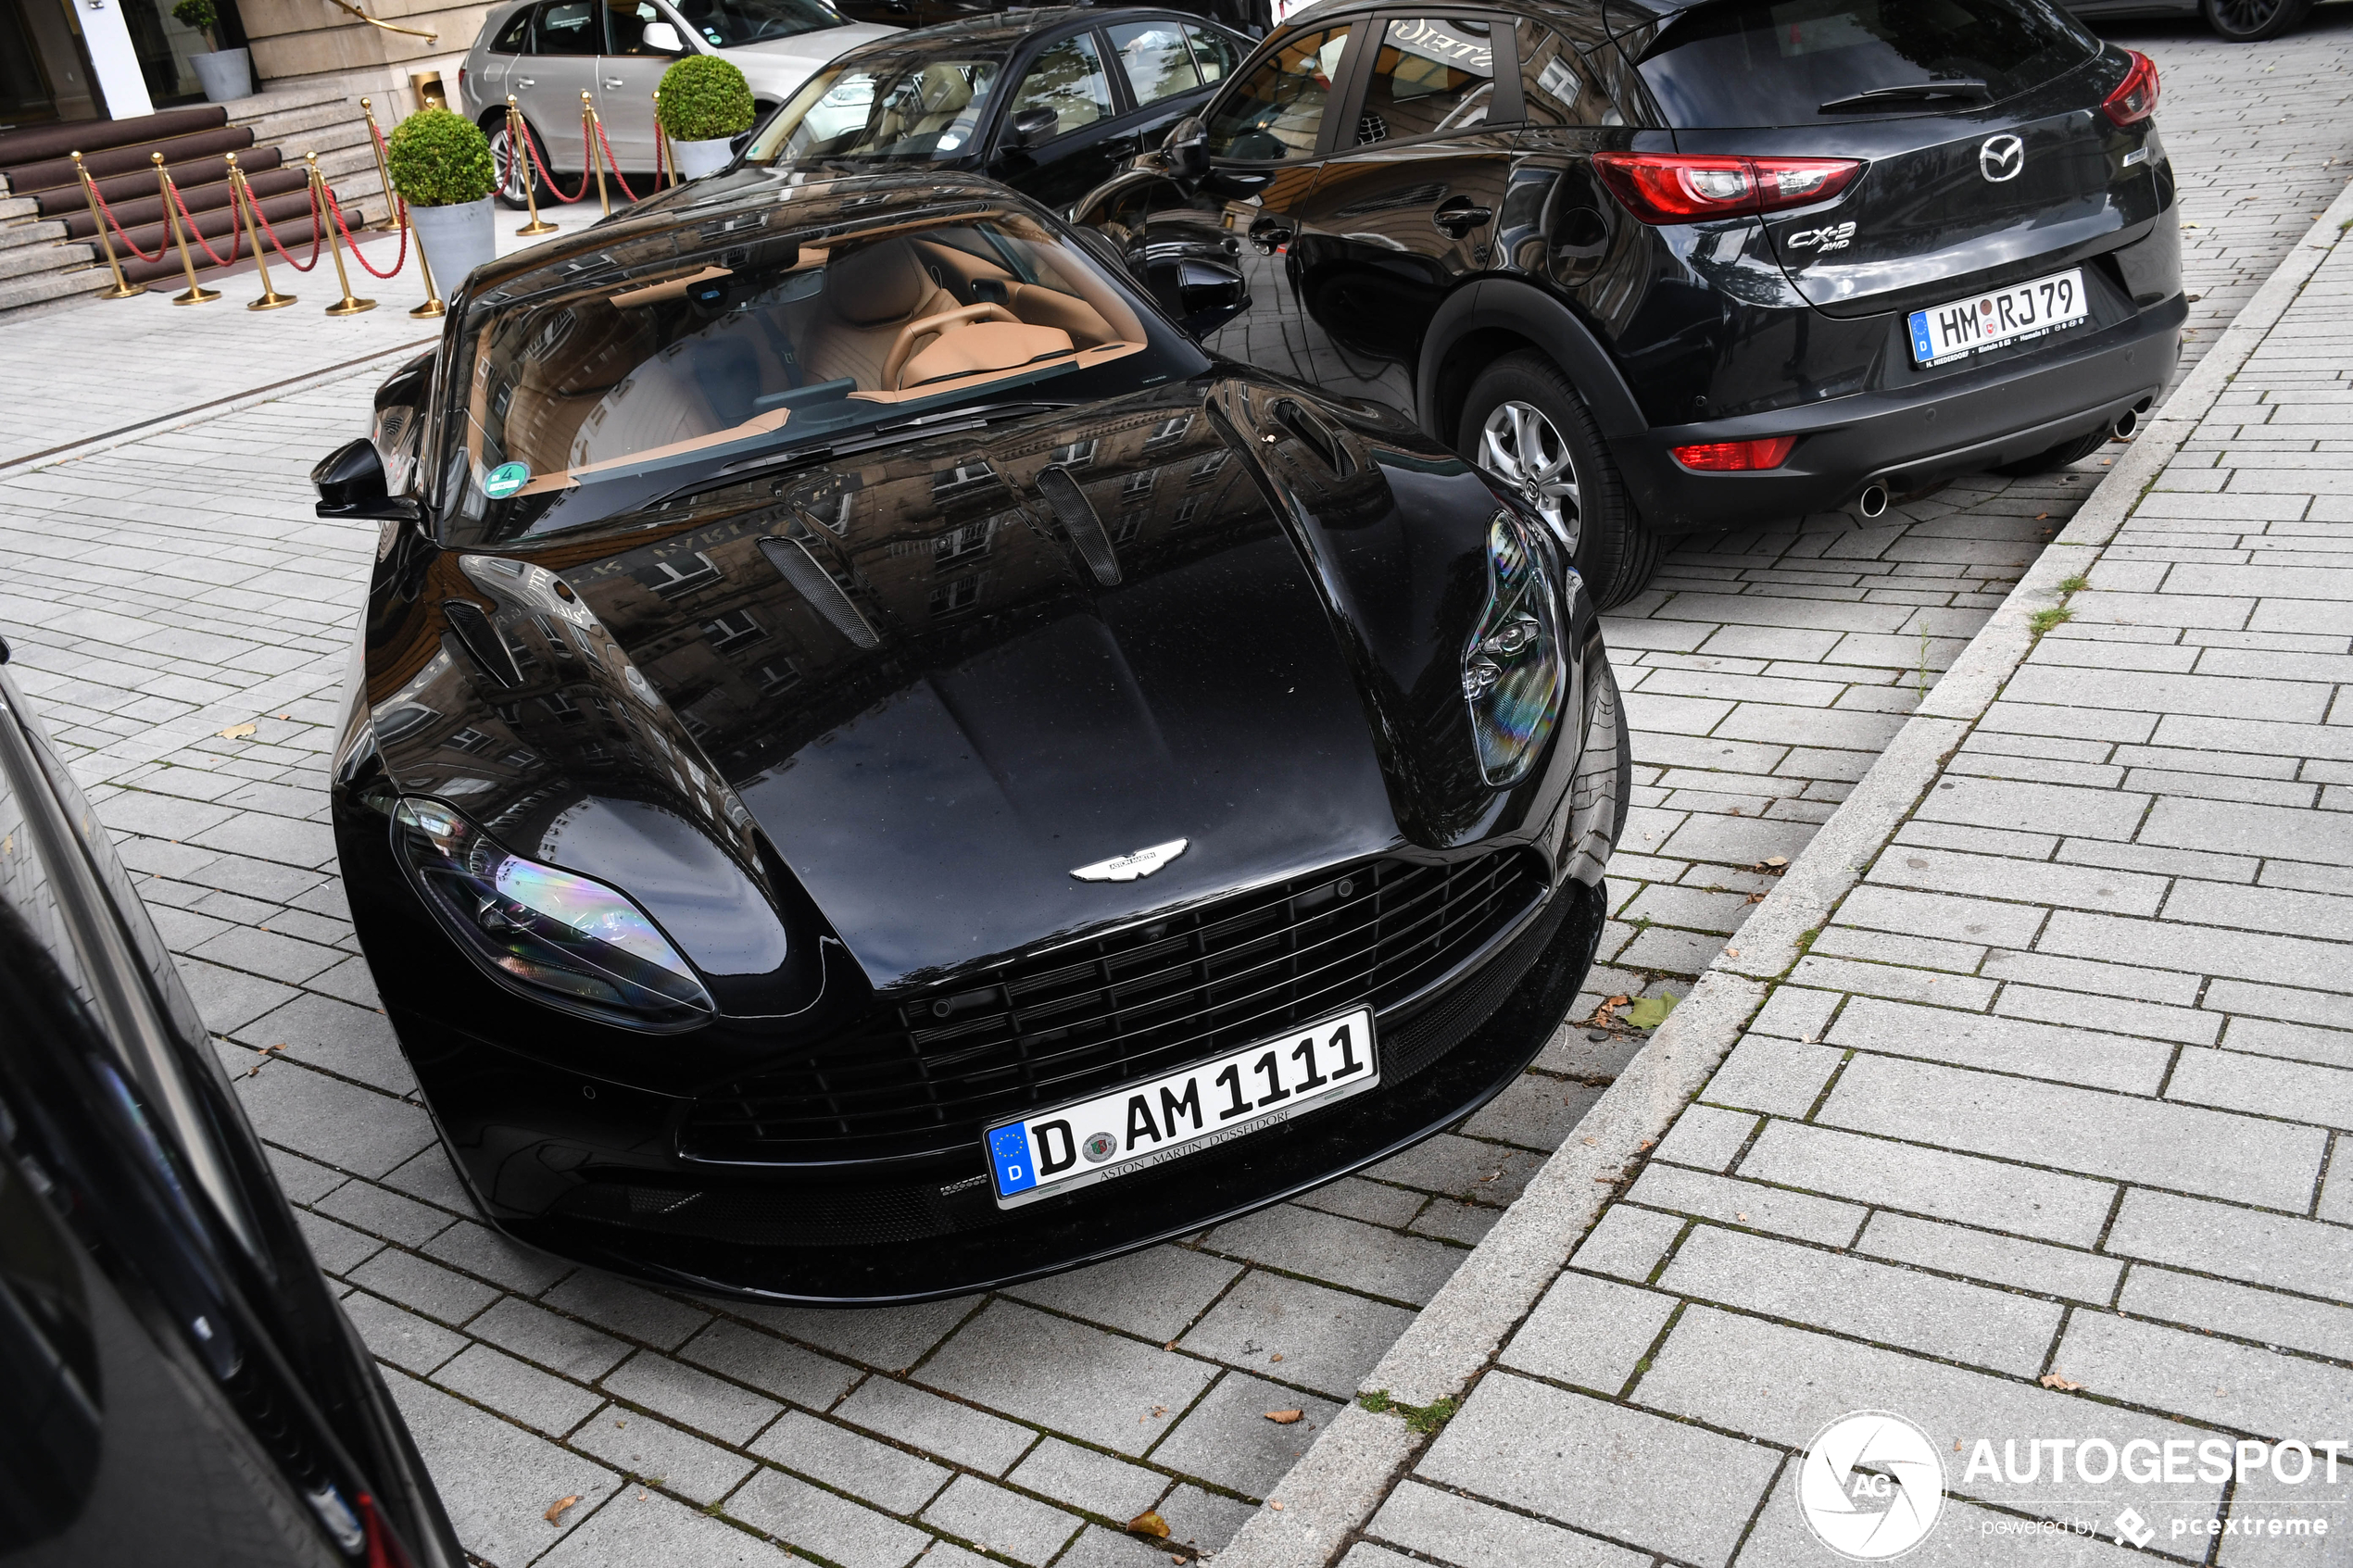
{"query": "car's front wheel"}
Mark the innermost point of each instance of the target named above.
(1524, 423)
(511, 172)
(2251, 22)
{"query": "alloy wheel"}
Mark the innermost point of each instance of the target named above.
(1518, 445)
(511, 176)
(2245, 19)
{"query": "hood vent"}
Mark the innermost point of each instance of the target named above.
(812, 582)
(482, 640)
(1077, 517)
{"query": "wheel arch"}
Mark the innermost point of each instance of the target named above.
(1500, 316)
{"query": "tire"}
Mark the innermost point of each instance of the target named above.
(1573, 481)
(2251, 22)
(2058, 456)
(511, 189)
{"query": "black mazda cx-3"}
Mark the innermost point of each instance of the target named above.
(1674, 267)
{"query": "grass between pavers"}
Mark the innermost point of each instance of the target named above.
(1423, 1420)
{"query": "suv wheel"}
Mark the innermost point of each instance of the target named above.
(2251, 22)
(510, 178)
(1524, 423)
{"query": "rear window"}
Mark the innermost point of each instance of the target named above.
(1780, 62)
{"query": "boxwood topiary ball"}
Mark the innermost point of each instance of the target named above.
(704, 98)
(439, 157)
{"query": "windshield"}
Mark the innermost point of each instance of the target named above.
(903, 106)
(1779, 62)
(729, 22)
(597, 383)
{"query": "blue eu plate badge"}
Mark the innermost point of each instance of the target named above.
(1009, 1151)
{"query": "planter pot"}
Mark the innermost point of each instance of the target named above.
(698, 158)
(226, 74)
(456, 239)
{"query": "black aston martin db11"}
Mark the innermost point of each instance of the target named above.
(880, 767)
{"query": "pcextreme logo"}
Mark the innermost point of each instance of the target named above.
(1870, 1485)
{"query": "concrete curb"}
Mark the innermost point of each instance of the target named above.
(1338, 1482)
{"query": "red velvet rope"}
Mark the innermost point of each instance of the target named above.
(318, 230)
(531, 144)
(615, 164)
(162, 246)
(235, 239)
(335, 207)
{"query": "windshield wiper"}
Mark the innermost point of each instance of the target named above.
(941, 422)
(1942, 87)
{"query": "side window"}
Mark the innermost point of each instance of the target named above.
(1277, 110)
(567, 27)
(1068, 79)
(1432, 76)
(516, 39)
(1213, 52)
(1554, 82)
(625, 20)
(1158, 64)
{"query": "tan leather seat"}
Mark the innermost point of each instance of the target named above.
(984, 345)
(870, 294)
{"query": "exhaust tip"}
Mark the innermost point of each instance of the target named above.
(2126, 423)
(1872, 502)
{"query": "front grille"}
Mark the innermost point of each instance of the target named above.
(928, 1071)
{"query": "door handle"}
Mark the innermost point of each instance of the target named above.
(613, 82)
(524, 81)
(1457, 222)
(1269, 233)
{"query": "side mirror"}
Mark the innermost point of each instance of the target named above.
(1200, 294)
(1187, 149)
(351, 484)
(662, 38)
(1032, 126)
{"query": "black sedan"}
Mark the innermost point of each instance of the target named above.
(882, 769)
(1679, 268)
(176, 1385)
(1050, 102)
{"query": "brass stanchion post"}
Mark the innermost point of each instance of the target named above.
(595, 153)
(346, 306)
(662, 155)
(241, 192)
(393, 214)
(519, 151)
(90, 194)
(196, 293)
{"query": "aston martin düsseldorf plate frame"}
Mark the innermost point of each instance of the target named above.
(1077, 1144)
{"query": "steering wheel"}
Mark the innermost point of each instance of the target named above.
(902, 348)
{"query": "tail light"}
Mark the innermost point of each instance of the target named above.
(1737, 456)
(2135, 98)
(1677, 187)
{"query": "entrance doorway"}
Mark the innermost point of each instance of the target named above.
(44, 73)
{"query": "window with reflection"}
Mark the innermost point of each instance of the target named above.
(1277, 112)
(1432, 76)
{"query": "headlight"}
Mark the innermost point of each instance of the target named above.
(1513, 673)
(557, 937)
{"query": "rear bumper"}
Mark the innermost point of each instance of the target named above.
(1910, 439)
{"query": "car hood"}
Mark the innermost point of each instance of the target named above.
(798, 56)
(893, 689)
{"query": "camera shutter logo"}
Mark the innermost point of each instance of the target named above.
(1870, 1485)
(2001, 158)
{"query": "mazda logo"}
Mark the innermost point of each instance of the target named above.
(2000, 158)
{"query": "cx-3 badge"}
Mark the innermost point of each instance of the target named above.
(2000, 158)
(1129, 867)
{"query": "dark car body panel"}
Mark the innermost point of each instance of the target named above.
(1704, 331)
(178, 1378)
(1273, 674)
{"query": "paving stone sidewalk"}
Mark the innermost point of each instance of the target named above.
(2048, 1134)
(174, 585)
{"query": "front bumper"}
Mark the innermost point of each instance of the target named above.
(582, 1167)
(1911, 438)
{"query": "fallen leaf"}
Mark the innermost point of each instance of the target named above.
(1149, 1523)
(555, 1509)
(1651, 1012)
(1284, 1418)
(2052, 1379)
(238, 731)
(1644, 1145)
(1277, 1507)
(1170, 1345)
(1756, 897)
(1731, 952)
(1741, 1217)
(285, 717)
(1276, 1357)
(2040, 516)
(1777, 861)
(1591, 1142)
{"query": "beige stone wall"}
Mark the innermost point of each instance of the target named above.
(298, 43)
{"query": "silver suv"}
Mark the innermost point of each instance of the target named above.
(549, 51)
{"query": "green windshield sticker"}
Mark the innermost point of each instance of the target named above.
(506, 478)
